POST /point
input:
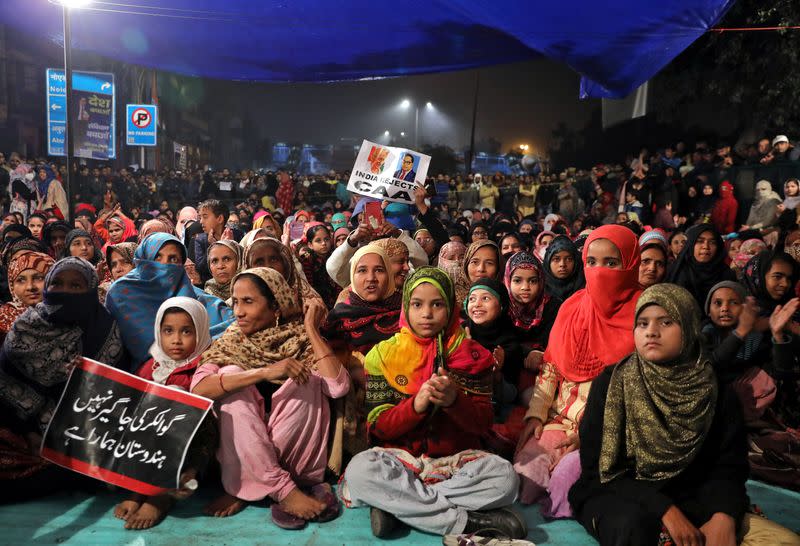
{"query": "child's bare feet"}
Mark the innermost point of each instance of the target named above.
(129, 506)
(224, 506)
(301, 505)
(150, 513)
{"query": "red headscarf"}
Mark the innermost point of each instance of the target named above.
(594, 326)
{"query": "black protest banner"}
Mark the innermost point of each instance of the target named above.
(122, 429)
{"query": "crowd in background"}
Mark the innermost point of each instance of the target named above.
(617, 344)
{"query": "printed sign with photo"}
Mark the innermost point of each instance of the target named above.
(388, 173)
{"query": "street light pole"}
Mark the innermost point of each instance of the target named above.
(68, 143)
(416, 127)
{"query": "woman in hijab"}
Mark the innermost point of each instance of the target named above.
(69, 323)
(563, 269)
(79, 244)
(26, 273)
(701, 263)
(35, 364)
(225, 260)
(747, 250)
(541, 243)
(118, 263)
(482, 260)
(54, 235)
(156, 225)
(52, 193)
(662, 444)
(269, 252)
(316, 249)
(271, 375)
(368, 313)
(764, 210)
(591, 331)
(451, 256)
(268, 223)
(158, 274)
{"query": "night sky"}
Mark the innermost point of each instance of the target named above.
(518, 103)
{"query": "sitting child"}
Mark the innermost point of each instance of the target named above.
(181, 336)
(663, 444)
(428, 398)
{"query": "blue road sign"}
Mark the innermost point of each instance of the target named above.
(141, 125)
(93, 113)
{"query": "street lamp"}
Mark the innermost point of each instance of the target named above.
(405, 104)
(524, 147)
(69, 148)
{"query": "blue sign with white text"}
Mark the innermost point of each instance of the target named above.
(92, 114)
(141, 124)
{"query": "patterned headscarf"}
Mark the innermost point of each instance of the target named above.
(657, 414)
(156, 225)
(525, 316)
(446, 261)
(392, 246)
(288, 339)
(223, 291)
(24, 261)
(126, 250)
(462, 281)
(749, 248)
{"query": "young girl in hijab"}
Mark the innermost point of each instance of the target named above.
(79, 243)
(181, 335)
(662, 444)
(225, 260)
(701, 263)
(771, 278)
(482, 261)
(532, 313)
(543, 240)
(26, 273)
(563, 269)
(591, 331)
(313, 257)
(486, 308)
(431, 377)
(743, 357)
(271, 375)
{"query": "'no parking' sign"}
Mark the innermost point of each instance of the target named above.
(142, 124)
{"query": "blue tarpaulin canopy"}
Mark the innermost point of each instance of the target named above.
(615, 45)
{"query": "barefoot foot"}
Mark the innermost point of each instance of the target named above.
(128, 507)
(224, 506)
(301, 505)
(150, 513)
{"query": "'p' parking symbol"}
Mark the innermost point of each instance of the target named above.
(141, 118)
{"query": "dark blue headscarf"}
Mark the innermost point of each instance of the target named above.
(44, 186)
(134, 299)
